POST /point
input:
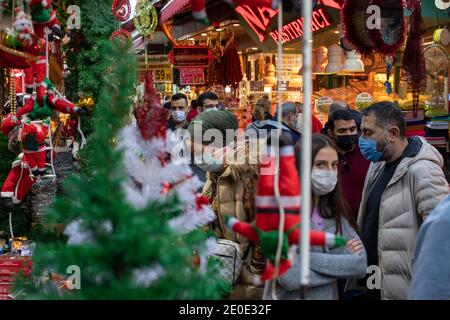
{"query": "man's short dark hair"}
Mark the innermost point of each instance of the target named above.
(206, 95)
(387, 114)
(167, 105)
(194, 104)
(343, 114)
(179, 96)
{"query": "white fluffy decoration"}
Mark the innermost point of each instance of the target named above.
(145, 277)
(78, 234)
(142, 164)
(210, 248)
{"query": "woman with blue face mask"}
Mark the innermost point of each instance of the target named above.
(329, 214)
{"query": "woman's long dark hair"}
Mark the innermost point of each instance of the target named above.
(332, 205)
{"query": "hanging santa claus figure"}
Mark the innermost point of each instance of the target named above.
(35, 76)
(28, 166)
(44, 16)
(33, 142)
(265, 230)
(51, 100)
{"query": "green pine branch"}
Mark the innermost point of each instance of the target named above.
(121, 238)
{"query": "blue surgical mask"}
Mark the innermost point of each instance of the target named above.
(209, 164)
(369, 149)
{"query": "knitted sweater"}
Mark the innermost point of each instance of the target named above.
(326, 266)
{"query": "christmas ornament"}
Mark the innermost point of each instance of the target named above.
(44, 16)
(23, 29)
(231, 65)
(33, 141)
(30, 164)
(124, 37)
(265, 230)
(145, 18)
(368, 34)
(389, 64)
(18, 47)
(151, 116)
(413, 57)
(86, 102)
(68, 130)
(35, 75)
(50, 101)
(121, 10)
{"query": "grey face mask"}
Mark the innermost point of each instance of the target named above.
(213, 167)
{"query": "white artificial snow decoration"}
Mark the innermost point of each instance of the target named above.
(76, 234)
(144, 277)
(107, 226)
(191, 220)
(209, 250)
(142, 164)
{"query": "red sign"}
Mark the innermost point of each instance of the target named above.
(259, 20)
(294, 30)
(192, 76)
(336, 4)
(190, 56)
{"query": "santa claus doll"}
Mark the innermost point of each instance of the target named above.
(34, 150)
(44, 16)
(30, 164)
(265, 230)
(50, 101)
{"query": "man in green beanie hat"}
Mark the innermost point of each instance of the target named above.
(235, 182)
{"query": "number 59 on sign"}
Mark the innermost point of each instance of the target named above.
(162, 75)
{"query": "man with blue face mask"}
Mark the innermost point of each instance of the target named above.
(403, 185)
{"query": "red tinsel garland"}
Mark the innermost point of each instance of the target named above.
(374, 35)
(347, 18)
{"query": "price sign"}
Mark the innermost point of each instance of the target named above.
(192, 76)
(162, 75)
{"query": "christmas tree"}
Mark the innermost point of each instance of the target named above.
(132, 223)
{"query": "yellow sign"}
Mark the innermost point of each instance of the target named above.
(152, 66)
(162, 75)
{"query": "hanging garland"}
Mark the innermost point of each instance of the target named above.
(145, 18)
(231, 65)
(123, 36)
(121, 10)
(365, 40)
(380, 38)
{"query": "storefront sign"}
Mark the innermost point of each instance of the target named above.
(294, 29)
(190, 56)
(158, 61)
(162, 75)
(192, 76)
(259, 19)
